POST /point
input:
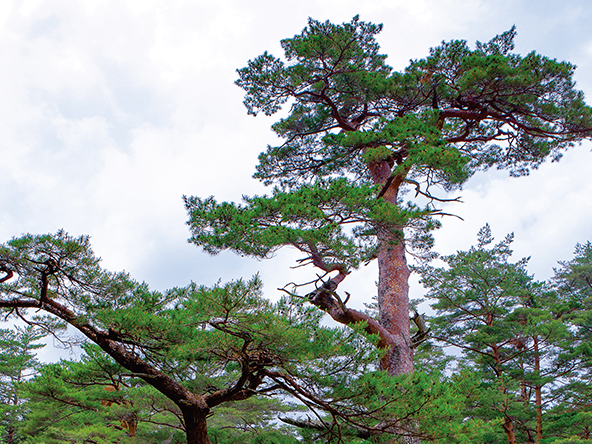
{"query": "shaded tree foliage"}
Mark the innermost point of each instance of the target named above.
(95, 399)
(571, 417)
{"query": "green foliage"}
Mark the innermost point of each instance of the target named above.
(77, 401)
(92, 399)
(455, 112)
(357, 137)
(17, 363)
(255, 436)
(183, 329)
(72, 273)
(314, 218)
(349, 49)
(571, 414)
(337, 78)
(211, 341)
(504, 323)
(574, 281)
(375, 406)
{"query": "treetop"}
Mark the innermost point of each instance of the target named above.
(493, 106)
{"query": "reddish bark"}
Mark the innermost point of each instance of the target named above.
(393, 278)
(509, 429)
(538, 393)
(393, 303)
(328, 301)
(393, 284)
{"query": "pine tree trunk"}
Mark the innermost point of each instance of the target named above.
(393, 279)
(509, 429)
(393, 303)
(196, 427)
(538, 393)
(10, 435)
(393, 287)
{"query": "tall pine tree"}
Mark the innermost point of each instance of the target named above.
(358, 136)
(571, 417)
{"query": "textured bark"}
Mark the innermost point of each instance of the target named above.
(393, 303)
(196, 426)
(328, 301)
(393, 278)
(393, 284)
(395, 345)
(509, 429)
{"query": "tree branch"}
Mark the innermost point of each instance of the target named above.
(428, 195)
(325, 299)
(8, 272)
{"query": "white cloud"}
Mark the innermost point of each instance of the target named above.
(113, 110)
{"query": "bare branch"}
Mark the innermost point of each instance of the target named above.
(428, 195)
(8, 272)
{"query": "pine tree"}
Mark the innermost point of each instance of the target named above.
(17, 363)
(94, 399)
(200, 348)
(359, 136)
(504, 324)
(570, 418)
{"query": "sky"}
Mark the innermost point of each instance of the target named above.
(111, 111)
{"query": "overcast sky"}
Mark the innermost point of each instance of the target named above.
(110, 111)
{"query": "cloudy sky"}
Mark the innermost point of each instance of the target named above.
(110, 111)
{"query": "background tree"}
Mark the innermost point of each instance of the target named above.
(358, 136)
(570, 418)
(574, 281)
(92, 399)
(506, 328)
(17, 363)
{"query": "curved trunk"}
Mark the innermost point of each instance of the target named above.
(195, 408)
